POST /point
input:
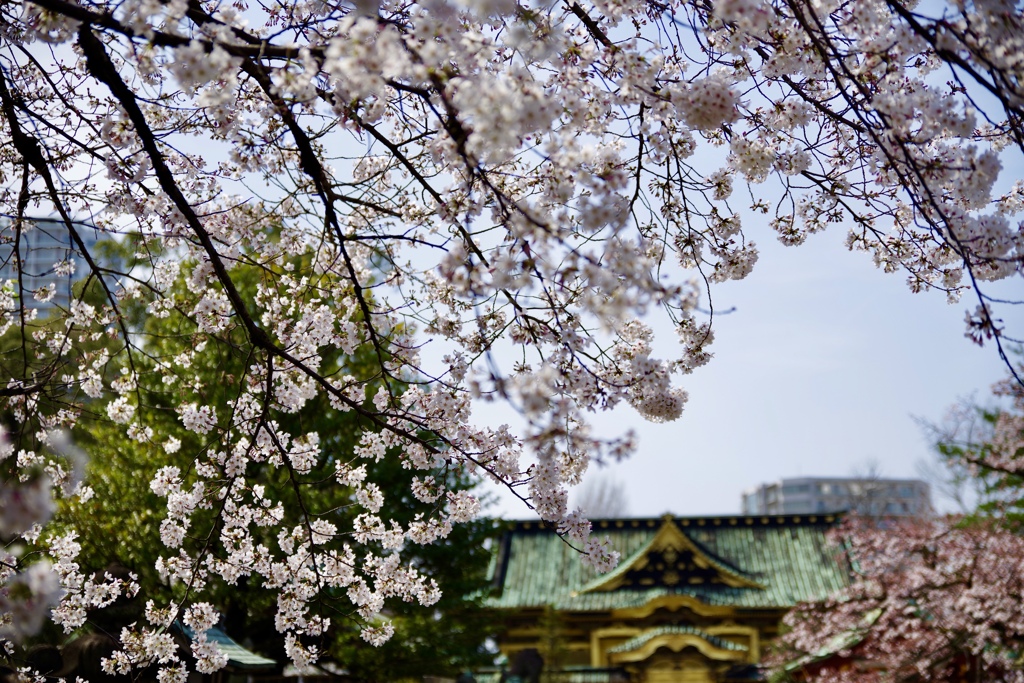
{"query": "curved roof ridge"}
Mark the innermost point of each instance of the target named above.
(645, 637)
(671, 536)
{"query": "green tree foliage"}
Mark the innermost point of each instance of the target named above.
(981, 447)
(931, 599)
(121, 522)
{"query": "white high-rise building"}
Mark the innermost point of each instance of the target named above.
(813, 495)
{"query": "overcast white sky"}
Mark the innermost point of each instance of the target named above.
(820, 370)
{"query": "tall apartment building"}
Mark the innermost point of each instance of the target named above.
(812, 495)
(48, 257)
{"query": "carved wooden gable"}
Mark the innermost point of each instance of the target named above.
(671, 560)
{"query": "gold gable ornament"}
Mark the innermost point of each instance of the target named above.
(693, 600)
(670, 559)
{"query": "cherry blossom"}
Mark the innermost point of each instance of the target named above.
(515, 188)
(929, 599)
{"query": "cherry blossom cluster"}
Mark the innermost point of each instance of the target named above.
(52, 587)
(341, 196)
(929, 601)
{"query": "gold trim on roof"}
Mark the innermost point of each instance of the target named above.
(673, 603)
(670, 542)
(677, 642)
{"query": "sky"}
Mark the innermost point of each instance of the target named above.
(820, 370)
(826, 366)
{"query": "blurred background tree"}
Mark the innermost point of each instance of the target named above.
(932, 598)
(601, 496)
(120, 523)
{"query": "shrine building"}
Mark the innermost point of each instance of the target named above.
(693, 599)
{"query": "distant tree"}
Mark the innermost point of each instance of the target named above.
(931, 599)
(122, 520)
(602, 496)
(981, 449)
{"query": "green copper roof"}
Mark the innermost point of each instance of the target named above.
(842, 641)
(647, 636)
(787, 556)
(238, 656)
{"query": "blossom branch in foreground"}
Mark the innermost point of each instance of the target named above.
(303, 188)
